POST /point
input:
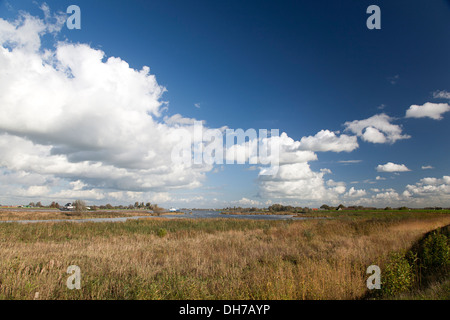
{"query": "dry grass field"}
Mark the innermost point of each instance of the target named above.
(51, 214)
(159, 258)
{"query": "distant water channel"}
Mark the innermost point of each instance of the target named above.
(200, 214)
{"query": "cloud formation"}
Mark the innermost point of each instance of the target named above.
(441, 94)
(349, 161)
(326, 140)
(391, 167)
(78, 124)
(430, 190)
(428, 110)
(70, 113)
(357, 193)
(295, 179)
(376, 129)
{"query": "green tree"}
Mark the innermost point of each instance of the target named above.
(54, 205)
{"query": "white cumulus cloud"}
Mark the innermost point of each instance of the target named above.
(352, 192)
(429, 109)
(326, 140)
(248, 202)
(431, 191)
(376, 129)
(70, 113)
(392, 167)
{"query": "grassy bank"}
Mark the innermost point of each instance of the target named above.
(421, 272)
(206, 258)
(349, 214)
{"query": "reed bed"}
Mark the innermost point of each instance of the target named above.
(159, 258)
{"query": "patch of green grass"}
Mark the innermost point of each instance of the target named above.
(63, 231)
(379, 214)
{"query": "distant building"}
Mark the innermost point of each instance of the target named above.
(67, 207)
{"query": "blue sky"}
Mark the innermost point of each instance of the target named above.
(297, 66)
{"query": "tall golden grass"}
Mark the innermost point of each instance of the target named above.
(203, 259)
(16, 215)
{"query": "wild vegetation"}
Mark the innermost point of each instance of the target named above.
(81, 205)
(159, 258)
(421, 272)
(323, 210)
(15, 215)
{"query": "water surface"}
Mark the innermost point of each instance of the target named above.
(200, 214)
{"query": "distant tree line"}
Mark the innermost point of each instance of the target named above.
(276, 208)
(80, 205)
(342, 207)
(137, 205)
(281, 208)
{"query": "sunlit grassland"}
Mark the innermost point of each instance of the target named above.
(226, 258)
(49, 214)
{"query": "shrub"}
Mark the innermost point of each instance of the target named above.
(162, 232)
(397, 276)
(435, 255)
(79, 205)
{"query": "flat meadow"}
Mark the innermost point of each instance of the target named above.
(223, 258)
